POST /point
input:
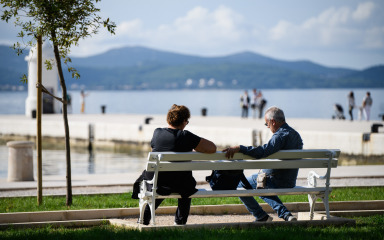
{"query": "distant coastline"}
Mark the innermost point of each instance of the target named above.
(139, 68)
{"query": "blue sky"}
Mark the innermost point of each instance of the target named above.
(336, 33)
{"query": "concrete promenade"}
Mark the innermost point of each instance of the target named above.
(316, 133)
(353, 138)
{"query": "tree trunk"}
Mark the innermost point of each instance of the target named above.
(65, 117)
(38, 119)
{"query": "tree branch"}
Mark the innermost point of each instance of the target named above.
(44, 90)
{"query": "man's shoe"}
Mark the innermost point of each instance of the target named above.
(265, 219)
(291, 219)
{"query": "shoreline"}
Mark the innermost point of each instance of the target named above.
(82, 146)
(121, 131)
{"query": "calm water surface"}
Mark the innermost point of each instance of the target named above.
(54, 162)
(296, 103)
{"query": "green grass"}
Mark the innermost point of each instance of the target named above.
(366, 228)
(29, 204)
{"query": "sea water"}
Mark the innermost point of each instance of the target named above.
(296, 103)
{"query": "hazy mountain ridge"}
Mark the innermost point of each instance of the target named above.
(144, 68)
(144, 56)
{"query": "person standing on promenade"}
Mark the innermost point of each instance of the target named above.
(367, 104)
(351, 104)
(284, 137)
(254, 102)
(83, 95)
(261, 102)
(175, 139)
(244, 99)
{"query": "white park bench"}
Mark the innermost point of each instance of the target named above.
(284, 159)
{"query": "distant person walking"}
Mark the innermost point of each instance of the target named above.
(367, 104)
(244, 99)
(254, 102)
(83, 95)
(351, 104)
(261, 102)
(69, 103)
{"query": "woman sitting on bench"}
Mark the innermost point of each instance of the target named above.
(174, 138)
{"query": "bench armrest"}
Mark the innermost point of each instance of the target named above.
(312, 176)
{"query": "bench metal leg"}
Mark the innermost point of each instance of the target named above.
(312, 201)
(153, 208)
(144, 201)
(326, 204)
(142, 205)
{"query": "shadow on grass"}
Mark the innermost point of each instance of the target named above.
(366, 228)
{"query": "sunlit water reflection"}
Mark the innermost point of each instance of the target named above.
(108, 162)
(54, 162)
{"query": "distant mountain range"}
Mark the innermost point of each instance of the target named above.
(144, 68)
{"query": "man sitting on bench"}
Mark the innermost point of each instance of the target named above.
(284, 138)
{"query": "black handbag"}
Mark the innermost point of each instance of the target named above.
(136, 185)
(227, 179)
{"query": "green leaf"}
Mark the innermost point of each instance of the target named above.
(24, 79)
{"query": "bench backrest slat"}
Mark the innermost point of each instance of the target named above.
(241, 164)
(283, 154)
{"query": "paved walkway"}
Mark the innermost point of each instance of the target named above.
(300, 124)
(351, 137)
(341, 176)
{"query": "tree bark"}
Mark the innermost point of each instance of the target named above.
(65, 117)
(38, 120)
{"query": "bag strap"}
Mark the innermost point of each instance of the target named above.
(244, 180)
(208, 178)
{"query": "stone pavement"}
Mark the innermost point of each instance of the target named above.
(317, 133)
(352, 138)
(301, 124)
(212, 216)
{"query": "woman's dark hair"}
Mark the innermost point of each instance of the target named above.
(177, 115)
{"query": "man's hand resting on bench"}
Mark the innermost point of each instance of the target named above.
(229, 152)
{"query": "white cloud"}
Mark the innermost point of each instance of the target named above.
(281, 30)
(363, 11)
(222, 30)
(333, 28)
(335, 17)
(373, 38)
(129, 27)
(201, 27)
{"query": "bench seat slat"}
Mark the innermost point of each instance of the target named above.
(205, 193)
(241, 164)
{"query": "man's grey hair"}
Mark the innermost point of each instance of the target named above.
(275, 113)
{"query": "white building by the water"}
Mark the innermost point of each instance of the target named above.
(50, 81)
